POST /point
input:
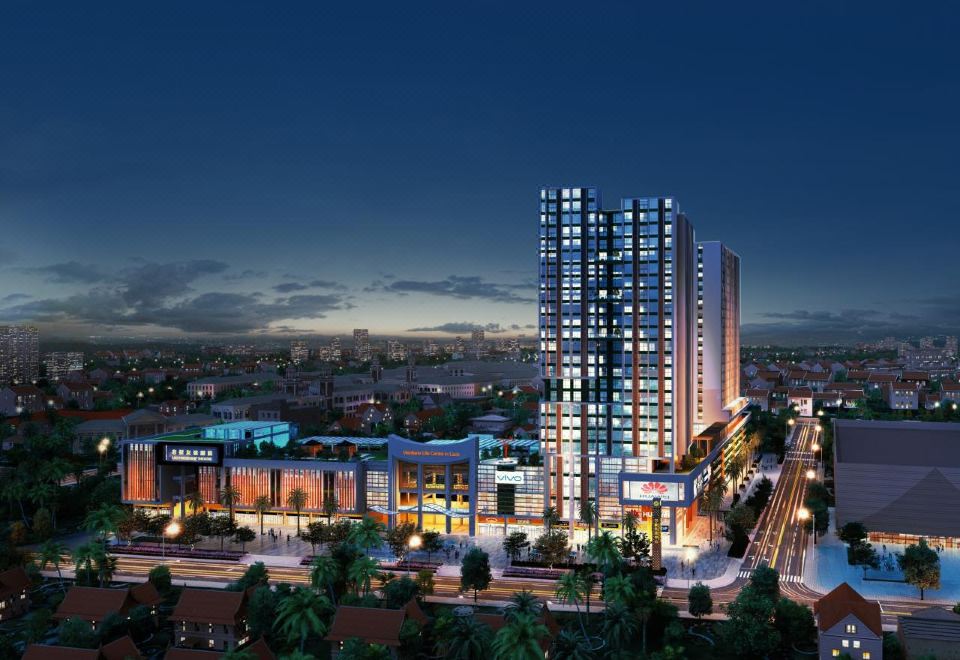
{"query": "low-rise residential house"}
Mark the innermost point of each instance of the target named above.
(17, 399)
(920, 378)
(902, 396)
(802, 398)
(933, 632)
(119, 649)
(81, 393)
(212, 619)
(257, 650)
(177, 407)
(14, 593)
(930, 400)
(355, 622)
(848, 623)
(415, 422)
(950, 391)
(817, 380)
(93, 604)
(214, 386)
(372, 414)
(491, 423)
(759, 397)
(877, 380)
(238, 409)
(858, 376)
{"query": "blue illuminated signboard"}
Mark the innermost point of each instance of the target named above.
(181, 454)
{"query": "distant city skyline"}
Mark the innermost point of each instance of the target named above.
(310, 170)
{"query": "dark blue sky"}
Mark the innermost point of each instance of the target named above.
(215, 167)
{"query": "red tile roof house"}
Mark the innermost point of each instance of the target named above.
(373, 626)
(258, 650)
(14, 596)
(210, 619)
(93, 604)
(848, 623)
(950, 391)
(119, 649)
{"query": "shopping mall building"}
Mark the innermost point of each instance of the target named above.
(478, 485)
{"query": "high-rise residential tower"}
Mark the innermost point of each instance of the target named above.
(299, 351)
(620, 306)
(361, 344)
(719, 372)
(19, 353)
(60, 363)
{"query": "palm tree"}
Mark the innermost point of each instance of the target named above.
(520, 639)
(261, 505)
(522, 602)
(302, 614)
(196, 501)
(104, 520)
(296, 500)
(550, 517)
(711, 500)
(619, 626)
(330, 507)
(53, 552)
(568, 645)
(469, 640)
(366, 533)
(570, 590)
(90, 554)
(229, 496)
(324, 571)
(361, 573)
(618, 589)
(589, 515)
(14, 490)
(736, 468)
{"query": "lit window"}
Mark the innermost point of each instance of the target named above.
(845, 643)
(856, 643)
(851, 629)
(866, 655)
(835, 653)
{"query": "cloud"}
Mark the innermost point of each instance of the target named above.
(324, 284)
(70, 272)
(245, 275)
(14, 297)
(465, 327)
(462, 287)
(162, 295)
(289, 287)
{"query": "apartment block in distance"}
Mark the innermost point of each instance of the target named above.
(639, 355)
(19, 353)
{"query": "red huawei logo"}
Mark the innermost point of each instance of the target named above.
(653, 488)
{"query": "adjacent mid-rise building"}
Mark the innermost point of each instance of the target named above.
(19, 353)
(631, 309)
(61, 363)
(361, 344)
(299, 352)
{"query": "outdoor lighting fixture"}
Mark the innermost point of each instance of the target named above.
(172, 529)
(819, 413)
(803, 513)
(790, 422)
(815, 447)
(414, 542)
(811, 474)
(690, 554)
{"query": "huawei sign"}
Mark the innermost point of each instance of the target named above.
(654, 489)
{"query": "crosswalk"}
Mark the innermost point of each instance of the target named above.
(783, 578)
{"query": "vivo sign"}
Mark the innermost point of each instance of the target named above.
(509, 478)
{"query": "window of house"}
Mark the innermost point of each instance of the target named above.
(866, 655)
(845, 643)
(851, 629)
(835, 653)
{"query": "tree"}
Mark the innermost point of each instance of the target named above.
(36, 625)
(853, 533)
(711, 499)
(475, 572)
(229, 496)
(514, 543)
(425, 584)
(324, 573)
(76, 633)
(766, 582)
(160, 578)
(570, 591)
(103, 521)
(699, 600)
(921, 566)
(739, 521)
(367, 533)
(552, 547)
(618, 589)
(468, 640)
(361, 574)
(244, 535)
(42, 524)
(619, 626)
(196, 501)
(522, 602)
(112, 627)
(301, 614)
(398, 593)
(795, 624)
(431, 542)
(140, 623)
(749, 631)
(262, 610)
(222, 527)
(569, 645)
(315, 534)
(550, 517)
(589, 516)
(296, 500)
(605, 551)
(398, 538)
(261, 505)
(53, 552)
(520, 639)
(330, 507)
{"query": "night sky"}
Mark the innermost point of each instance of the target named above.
(231, 167)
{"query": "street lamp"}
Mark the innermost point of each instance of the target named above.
(815, 448)
(805, 513)
(413, 544)
(102, 447)
(171, 530)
